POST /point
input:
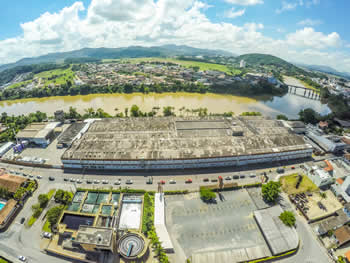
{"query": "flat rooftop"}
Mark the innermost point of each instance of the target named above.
(166, 138)
(94, 235)
(279, 237)
(69, 134)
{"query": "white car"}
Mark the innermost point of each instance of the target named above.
(46, 235)
(172, 181)
(117, 182)
(72, 180)
(22, 258)
(96, 181)
(79, 181)
(39, 177)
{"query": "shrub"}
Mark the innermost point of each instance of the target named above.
(53, 214)
(63, 197)
(36, 210)
(207, 194)
(287, 218)
(43, 200)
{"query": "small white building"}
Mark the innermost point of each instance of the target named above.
(242, 64)
(319, 176)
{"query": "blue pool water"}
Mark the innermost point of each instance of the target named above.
(1, 206)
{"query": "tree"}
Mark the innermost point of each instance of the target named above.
(271, 190)
(207, 194)
(282, 117)
(36, 210)
(43, 200)
(309, 116)
(134, 111)
(53, 214)
(288, 218)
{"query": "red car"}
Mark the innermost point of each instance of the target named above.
(162, 181)
(189, 181)
(293, 167)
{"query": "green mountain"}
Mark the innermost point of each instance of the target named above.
(327, 70)
(116, 53)
(269, 60)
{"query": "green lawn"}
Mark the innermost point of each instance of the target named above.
(51, 193)
(31, 221)
(185, 63)
(59, 76)
(3, 261)
(20, 84)
(289, 182)
(46, 227)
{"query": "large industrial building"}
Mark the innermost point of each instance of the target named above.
(180, 143)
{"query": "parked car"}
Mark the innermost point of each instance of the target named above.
(79, 181)
(149, 181)
(242, 176)
(235, 177)
(39, 177)
(252, 175)
(162, 182)
(129, 181)
(172, 181)
(206, 180)
(89, 181)
(188, 181)
(72, 180)
(51, 178)
(22, 220)
(46, 235)
(22, 258)
(105, 181)
(280, 170)
(293, 167)
(65, 179)
(96, 181)
(214, 180)
(25, 174)
(227, 178)
(118, 182)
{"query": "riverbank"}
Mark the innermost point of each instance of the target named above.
(288, 104)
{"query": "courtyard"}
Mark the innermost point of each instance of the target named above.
(226, 230)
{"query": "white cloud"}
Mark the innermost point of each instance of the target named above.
(233, 14)
(288, 5)
(165, 22)
(309, 22)
(245, 2)
(308, 37)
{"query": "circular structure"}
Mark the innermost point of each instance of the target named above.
(131, 245)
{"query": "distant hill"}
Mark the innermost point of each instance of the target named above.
(263, 59)
(327, 69)
(115, 53)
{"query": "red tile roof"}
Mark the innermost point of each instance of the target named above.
(340, 181)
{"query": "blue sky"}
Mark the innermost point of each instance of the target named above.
(304, 31)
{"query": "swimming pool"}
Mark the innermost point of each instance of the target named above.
(1, 205)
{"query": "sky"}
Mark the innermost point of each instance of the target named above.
(299, 31)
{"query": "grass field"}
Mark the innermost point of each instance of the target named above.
(20, 84)
(3, 261)
(58, 76)
(289, 182)
(46, 227)
(185, 63)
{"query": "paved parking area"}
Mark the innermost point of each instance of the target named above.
(228, 226)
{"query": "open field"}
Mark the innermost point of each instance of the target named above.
(188, 64)
(20, 84)
(289, 182)
(56, 76)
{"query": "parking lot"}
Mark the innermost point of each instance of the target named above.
(226, 226)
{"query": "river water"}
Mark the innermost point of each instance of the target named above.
(289, 104)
